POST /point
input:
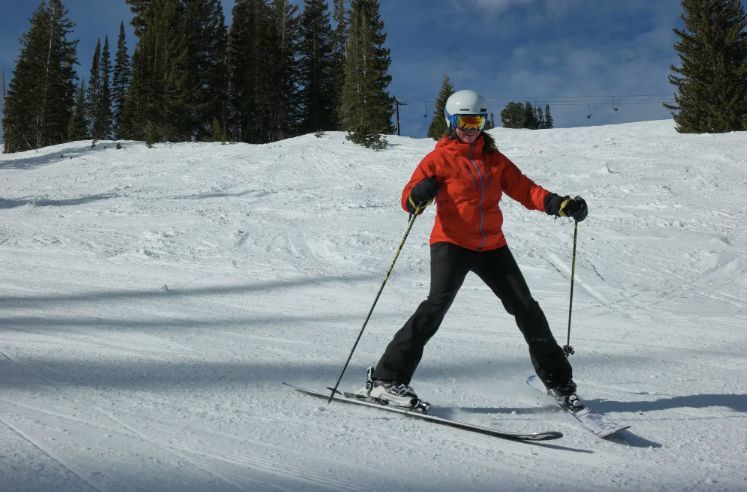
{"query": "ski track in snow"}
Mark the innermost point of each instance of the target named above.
(154, 300)
(51, 455)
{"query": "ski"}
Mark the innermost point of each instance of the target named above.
(589, 419)
(360, 400)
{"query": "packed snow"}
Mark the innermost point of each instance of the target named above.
(154, 301)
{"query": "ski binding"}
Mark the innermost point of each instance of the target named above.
(589, 419)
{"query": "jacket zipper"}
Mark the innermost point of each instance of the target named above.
(482, 194)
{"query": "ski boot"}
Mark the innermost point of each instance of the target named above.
(391, 393)
(566, 395)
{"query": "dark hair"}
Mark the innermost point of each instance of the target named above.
(489, 146)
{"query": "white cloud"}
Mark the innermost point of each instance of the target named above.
(500, 4)
(497, 5)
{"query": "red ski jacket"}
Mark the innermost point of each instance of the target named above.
(472, 183)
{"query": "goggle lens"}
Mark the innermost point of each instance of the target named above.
(471, 122)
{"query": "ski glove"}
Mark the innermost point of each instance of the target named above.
(565, 206)
(422, 194)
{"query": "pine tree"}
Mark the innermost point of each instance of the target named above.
(217, 132)
(341, 17)
(157, 105)
(40, 99)
(99, 104)
(712, 81)
(175, 121)
(139, 10)
(78, 129)
(93, 100)
(206, 44)
(530, 119)
(513, 115)
(540, 117)
(250, 42)
(141, 90)
(518, 115)
(120, 81)
(263, 77)
(105, 103)
(284, 96)
(438, 125)
(139, 97)
(316, 63)
(548, 117)
(366, 107)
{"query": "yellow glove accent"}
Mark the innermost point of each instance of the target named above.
(561, 211)
(418, 209)
(413, 205)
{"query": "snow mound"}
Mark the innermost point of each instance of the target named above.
(153, 300)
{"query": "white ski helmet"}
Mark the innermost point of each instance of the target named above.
(466, 102)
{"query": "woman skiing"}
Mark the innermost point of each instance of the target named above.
(467, 175)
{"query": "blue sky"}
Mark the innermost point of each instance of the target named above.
(576, 55)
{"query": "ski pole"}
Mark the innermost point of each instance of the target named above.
(567, 349)
(411, 221)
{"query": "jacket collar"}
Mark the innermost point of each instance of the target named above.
(456, 146)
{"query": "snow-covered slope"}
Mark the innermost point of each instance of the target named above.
(154, 300)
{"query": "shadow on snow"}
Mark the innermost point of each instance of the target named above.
(736, 402)
(94, 296)
(46, 202)
(50, 155)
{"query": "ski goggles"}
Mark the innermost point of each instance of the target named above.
(468, 122)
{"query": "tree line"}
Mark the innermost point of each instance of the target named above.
(277, 71)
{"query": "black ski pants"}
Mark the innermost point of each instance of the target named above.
(498, 269)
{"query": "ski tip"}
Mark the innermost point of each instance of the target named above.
(613, 432)
(544, 436)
